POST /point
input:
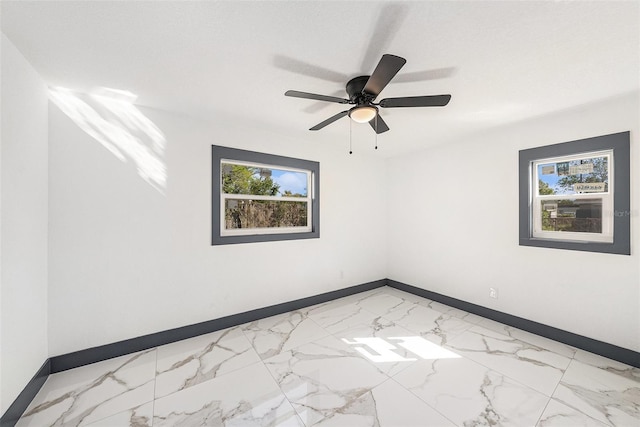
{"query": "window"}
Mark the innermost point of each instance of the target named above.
(575, 195)
(262, 197)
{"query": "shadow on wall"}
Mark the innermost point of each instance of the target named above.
(110, 117)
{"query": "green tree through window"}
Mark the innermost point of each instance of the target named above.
(238, 179)
(544, 189)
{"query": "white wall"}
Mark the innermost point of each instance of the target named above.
(24, 194)
(460, 235)
(126, 260)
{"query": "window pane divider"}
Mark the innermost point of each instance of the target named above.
(262, 165)
(259, 197)
(572, 196)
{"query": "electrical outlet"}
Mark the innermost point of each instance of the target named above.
(493, 293)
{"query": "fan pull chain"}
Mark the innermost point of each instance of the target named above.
(376, 131)
(350, 136)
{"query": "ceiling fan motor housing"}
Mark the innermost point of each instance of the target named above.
(354, 90)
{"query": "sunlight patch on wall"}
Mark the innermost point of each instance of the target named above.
(111, 118)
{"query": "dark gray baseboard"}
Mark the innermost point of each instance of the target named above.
(121, 348)
(17, 408)
(610, 351)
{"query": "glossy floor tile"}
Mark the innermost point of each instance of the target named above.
(183, 364)
(379, 358)
(90, 393)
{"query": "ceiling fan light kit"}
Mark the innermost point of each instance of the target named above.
(362, 92)
(363, 114)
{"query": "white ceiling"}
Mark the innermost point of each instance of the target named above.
(501, 61)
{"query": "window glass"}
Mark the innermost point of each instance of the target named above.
(574, 215)
(266, 181)
(264, 214)
(564, 204)
(264, 199)
(574, 176)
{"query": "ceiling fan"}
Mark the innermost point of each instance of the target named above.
(363, 91)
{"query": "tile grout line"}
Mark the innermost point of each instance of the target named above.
(276, 381)
(424, 401)
(519, 382)
(566, 403)
(155, 383)
(554, 392)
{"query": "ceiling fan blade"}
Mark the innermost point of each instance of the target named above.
(416, 101)
(386, 69)
(381, 125)
(330, 120)
(307, 95)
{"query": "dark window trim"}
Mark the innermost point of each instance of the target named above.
(619, 143)
(219, 153)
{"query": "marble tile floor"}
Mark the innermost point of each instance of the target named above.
(379, 358)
